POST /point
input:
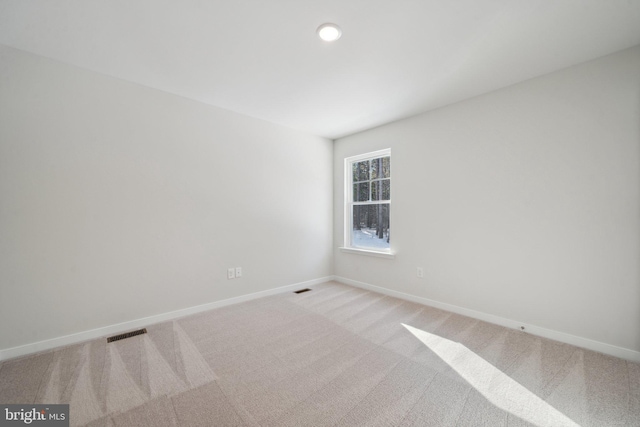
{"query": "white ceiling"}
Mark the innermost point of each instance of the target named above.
(263, 59)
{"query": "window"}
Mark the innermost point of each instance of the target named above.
(368, 201)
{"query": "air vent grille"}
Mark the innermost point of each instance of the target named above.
(127, 335)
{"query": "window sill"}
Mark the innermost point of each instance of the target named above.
(388, 255)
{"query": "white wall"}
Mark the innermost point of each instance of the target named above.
(523, 203)
(119, 202)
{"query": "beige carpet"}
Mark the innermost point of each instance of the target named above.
(334, 356)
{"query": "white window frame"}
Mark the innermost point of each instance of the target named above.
(349, 203)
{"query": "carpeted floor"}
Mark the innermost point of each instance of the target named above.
(336, 355)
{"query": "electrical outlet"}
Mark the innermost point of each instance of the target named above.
(231, 273)
(420, 272)
(238, 271)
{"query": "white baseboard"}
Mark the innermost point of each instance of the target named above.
(66, 340)
(600, 347)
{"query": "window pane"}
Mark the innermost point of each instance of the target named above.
(381, 168)
(376, 166)
(371, 226)
(386, 167)
(361, 192)
(381, 190)
(360, 171)
(386, 189)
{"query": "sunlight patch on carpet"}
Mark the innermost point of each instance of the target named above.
(497, 387)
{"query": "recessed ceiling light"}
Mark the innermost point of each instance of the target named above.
(329, 32)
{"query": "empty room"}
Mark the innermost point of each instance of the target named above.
(305, 213)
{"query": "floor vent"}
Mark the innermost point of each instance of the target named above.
(301, 291)
(127, 335)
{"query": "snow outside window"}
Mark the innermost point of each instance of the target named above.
(368, 201)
